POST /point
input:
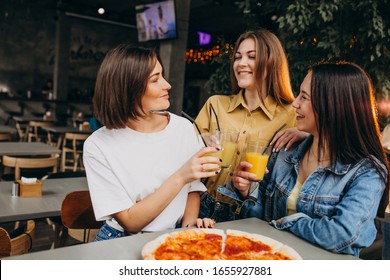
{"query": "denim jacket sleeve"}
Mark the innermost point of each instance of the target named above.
(352, 221)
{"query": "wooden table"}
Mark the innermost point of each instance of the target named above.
(129, 248)
(15, 208)
(26, 119)
(7, 129)
(27, 149)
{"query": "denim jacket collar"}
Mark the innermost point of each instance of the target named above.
(294, 158)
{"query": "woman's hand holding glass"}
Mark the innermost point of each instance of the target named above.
(242, 179)
(200, 165)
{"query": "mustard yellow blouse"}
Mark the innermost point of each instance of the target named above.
(233, 113)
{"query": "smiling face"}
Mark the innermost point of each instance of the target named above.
(305, 119)
(244, 65)
(156, 96)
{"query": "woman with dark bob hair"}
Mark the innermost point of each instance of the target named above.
(328, 188)
(145, 164)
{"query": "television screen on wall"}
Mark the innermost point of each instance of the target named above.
(156, 21)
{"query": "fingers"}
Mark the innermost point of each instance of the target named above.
(291, 142)
(202, 152)
(277, 136)
(205, 223)
(241, 184)
(203, 165)
(288, 137)
(282, 138)
(208, 169)
(242, 180)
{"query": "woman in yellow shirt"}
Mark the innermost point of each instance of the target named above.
(259, 105)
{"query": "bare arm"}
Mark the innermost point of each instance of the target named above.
(192, 209)
(142, 213)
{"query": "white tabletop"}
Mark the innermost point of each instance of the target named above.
(15, 208)
(27, 149)
(129, 248)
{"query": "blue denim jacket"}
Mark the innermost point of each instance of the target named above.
(335, 208)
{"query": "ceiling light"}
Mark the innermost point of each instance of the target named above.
(101, 11)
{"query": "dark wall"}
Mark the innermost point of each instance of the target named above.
(27, 47)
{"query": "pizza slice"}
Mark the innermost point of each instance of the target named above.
(194, 244)
(242, 245)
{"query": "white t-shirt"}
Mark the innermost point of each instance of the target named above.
(124, 166)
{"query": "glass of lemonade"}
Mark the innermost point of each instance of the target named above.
(214, 140)
(257, 154)
(229, 147)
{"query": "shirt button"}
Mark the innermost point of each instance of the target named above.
(238, 152)
(231, 174)
(244, 132)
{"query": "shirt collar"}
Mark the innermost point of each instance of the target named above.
(268, 106)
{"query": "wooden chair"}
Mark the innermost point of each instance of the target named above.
(35, 132)
(5, 136)
(60, 233)
(72, 151)
(21, 130)
(30, 163)
(18, 245)
(77, 214)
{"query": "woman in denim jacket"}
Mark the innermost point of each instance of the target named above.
(328, 188)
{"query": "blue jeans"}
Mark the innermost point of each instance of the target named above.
(219, 211)
(106, 232)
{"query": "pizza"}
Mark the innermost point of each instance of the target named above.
(215, 244)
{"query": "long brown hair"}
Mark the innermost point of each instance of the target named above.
(345, 109)
(270, 59)
(120, 84)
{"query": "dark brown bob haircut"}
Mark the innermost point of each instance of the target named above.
(346, 116)
(121, 83)
(270, 59)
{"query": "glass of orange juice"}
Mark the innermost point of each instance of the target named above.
(257, 154)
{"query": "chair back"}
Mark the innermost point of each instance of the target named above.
(21, 132)
(30, 163)
(77, 212)
(73, 145)
(74, 138)
(35, 131)
(18, 245)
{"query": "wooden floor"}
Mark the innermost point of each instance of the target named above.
(44, 237)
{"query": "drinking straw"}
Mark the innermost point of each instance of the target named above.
(216, 117)
(197, 127)
(269, 143)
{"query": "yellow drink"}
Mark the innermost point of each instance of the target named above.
(259, 163)
(229, 149)
(217, 154)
